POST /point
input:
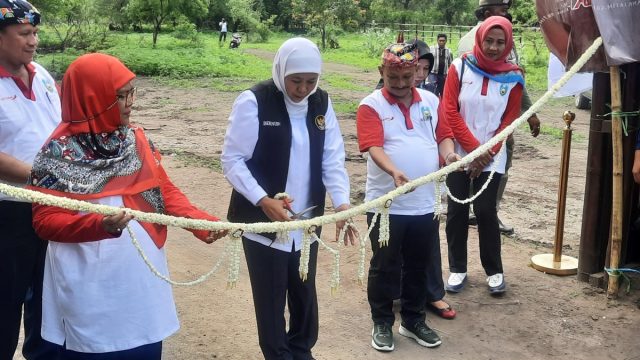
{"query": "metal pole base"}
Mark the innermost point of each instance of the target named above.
(544, 262)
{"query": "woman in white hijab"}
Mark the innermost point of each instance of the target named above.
(283, 136)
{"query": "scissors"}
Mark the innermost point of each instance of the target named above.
(299, 214)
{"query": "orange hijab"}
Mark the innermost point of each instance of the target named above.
(501, 65)
(91, 155)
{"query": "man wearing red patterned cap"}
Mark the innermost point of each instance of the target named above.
(29, 111)
(399, 129)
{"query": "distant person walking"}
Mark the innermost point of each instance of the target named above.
(223, 30)
(442, 60)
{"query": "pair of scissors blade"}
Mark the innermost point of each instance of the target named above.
(300, 214)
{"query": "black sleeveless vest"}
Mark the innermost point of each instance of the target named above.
(269, 163)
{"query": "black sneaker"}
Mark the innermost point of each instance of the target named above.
(382, 337)
(421, 333)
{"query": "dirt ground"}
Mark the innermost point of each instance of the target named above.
(540, 317)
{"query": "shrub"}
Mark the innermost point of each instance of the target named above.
(375, 40)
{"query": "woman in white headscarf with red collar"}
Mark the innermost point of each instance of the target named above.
(100, 301)
(283, 136)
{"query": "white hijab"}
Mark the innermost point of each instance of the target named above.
(295, 56)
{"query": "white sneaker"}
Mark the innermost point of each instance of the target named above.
(496, 283)
(456, 282)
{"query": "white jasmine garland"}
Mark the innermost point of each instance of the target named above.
(83, 206)
(157, 273)
(282, 237)
(486, 183)
(438, 208)
(233, 249)
(305, 251)
(383, 233)
(335, 273)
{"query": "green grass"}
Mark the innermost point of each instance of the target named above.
(227, 69)
(343, 82)
(187, 158)
(345, 107)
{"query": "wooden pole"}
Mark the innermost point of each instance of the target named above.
(616, 206)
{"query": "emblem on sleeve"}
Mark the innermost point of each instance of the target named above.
(503, 89)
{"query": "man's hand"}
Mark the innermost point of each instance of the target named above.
(276, 210)
(399, 178)
(351, 234)
(534, 125)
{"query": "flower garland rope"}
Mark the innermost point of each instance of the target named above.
(234, 248)
(77, 205)
(157, 273)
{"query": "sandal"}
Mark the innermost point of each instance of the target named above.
(445, 313)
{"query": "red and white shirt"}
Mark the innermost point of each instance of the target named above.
(409, 137)
(479, 109)
(28, 114)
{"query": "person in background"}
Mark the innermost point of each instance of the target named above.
(29, 111)
(223, 30)
(283, 136)
(400, 130)
(100, 301)
(487, 8)
(442, 61)
(482, 96)
(425, 64)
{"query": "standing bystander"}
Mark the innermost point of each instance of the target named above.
(487, 8)
(442, 60)
(223, 30)
(29, 111)
(399, 129)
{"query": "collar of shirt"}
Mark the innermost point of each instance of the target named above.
(415, 98)
(27, 91)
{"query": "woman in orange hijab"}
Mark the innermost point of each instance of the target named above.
(100, 300)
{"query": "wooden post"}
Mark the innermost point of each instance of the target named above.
(616, 203)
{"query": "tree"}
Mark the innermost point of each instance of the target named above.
(524, 13)
(321, 14)
(246, 13)
(453, 11)
(156, 12)
(74, 23)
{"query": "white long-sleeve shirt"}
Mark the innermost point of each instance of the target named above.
(240, 142)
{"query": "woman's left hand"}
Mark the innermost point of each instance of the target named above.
(114, 224)
(215, 235)
(351, 234)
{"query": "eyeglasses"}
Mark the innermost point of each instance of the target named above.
(128, 97)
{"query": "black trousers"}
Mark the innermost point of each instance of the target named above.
(275, 279)
(223, 36)
(487, 216)
(440, 85)
(22, 256)
(145, 352)
(505, 177)
(413, 243)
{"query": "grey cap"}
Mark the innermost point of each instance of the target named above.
(494, 2)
